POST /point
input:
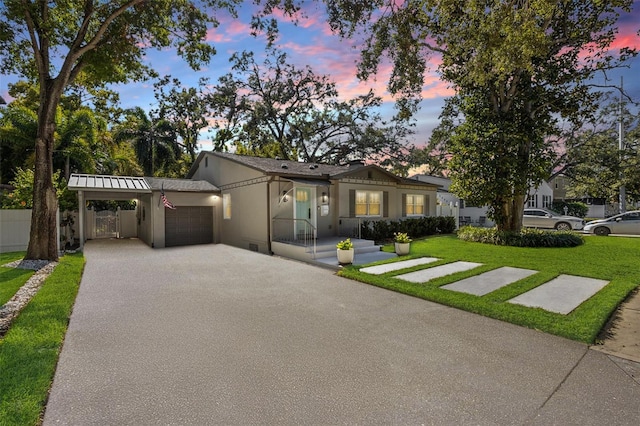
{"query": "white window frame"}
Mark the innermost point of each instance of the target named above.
(413, 205)
(368, 196)
(226, 206)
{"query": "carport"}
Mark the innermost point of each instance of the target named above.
(193, 221)
(104, 187)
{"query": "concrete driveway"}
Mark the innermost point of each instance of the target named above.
(213, 334)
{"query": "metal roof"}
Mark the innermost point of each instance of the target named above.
(83, 182)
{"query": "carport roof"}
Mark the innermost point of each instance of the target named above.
(83, 182)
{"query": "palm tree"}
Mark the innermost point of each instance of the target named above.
(154, 141)
(18, 128)
(78, 145)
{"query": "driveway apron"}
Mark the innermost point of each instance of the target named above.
(213, 334)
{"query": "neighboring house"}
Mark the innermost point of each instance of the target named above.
(598, 207)
(540, 197)
(261, 204)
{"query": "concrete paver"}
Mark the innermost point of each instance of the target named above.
(424, 275)
(395, 266)
(218, 335)
(562, 294)
(487, 282)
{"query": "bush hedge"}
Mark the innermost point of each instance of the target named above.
(383, 230)
(525, 238)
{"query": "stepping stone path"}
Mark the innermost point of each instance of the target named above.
(395, 266)
(490, 281)
(425, 275)
(561, 295)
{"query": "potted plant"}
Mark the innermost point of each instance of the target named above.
(345, 251)
(402, 243)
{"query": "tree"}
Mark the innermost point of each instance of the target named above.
(593, 161)
(154, 142)
(277, 110)
(517, 66)
(92, 42)
(184, 108)
(18, 127)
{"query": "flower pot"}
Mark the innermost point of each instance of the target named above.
(403, 248)
(345, 257)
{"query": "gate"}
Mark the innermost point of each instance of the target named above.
(106, 224)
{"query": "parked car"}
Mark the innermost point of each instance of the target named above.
(542, 218)
(624, 223)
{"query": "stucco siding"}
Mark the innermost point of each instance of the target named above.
(248, 226)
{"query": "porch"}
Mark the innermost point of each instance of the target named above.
(323, 251)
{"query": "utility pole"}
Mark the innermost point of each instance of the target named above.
(623, 192)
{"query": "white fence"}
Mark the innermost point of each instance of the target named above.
(15, 226)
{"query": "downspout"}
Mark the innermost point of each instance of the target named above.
(270, 237)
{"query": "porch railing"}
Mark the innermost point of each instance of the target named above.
(295, 231)
(350, 227)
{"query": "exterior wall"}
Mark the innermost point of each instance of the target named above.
(249, 224)
(152, 229)
(537, 196)
(127, 227)
(144, 219)
(394, 197)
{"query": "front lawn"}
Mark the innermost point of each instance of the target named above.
(30, 349)
(609, 258)
(11, 279)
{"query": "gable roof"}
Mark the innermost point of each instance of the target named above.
(181, 185)
(296, 169)
(273, 166)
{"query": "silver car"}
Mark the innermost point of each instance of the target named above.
(624, 223)
(541, 218)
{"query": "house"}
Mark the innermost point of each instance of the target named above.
(266, 205)
(272, 206)
(539, 197)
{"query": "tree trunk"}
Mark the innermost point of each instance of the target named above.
(511, 213)
(43, 238)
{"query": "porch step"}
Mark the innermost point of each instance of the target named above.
(359, 246)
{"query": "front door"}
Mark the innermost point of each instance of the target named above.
(304, 213)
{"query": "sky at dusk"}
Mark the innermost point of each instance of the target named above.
(312, 43)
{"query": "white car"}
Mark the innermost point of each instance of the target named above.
(541, 218)
(623, 223)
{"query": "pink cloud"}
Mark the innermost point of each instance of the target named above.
(229, 31)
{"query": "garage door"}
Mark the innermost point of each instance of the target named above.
(187, 225)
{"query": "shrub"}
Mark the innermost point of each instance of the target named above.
(384, 230)
(574, 208)
(524, 238)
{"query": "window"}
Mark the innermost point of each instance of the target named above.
(415, 205)
(368, 203)
(546, 201)
(532, 201)
(226, 206)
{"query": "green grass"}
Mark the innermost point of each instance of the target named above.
(611, 259)
(11, 279)
(29, 351)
